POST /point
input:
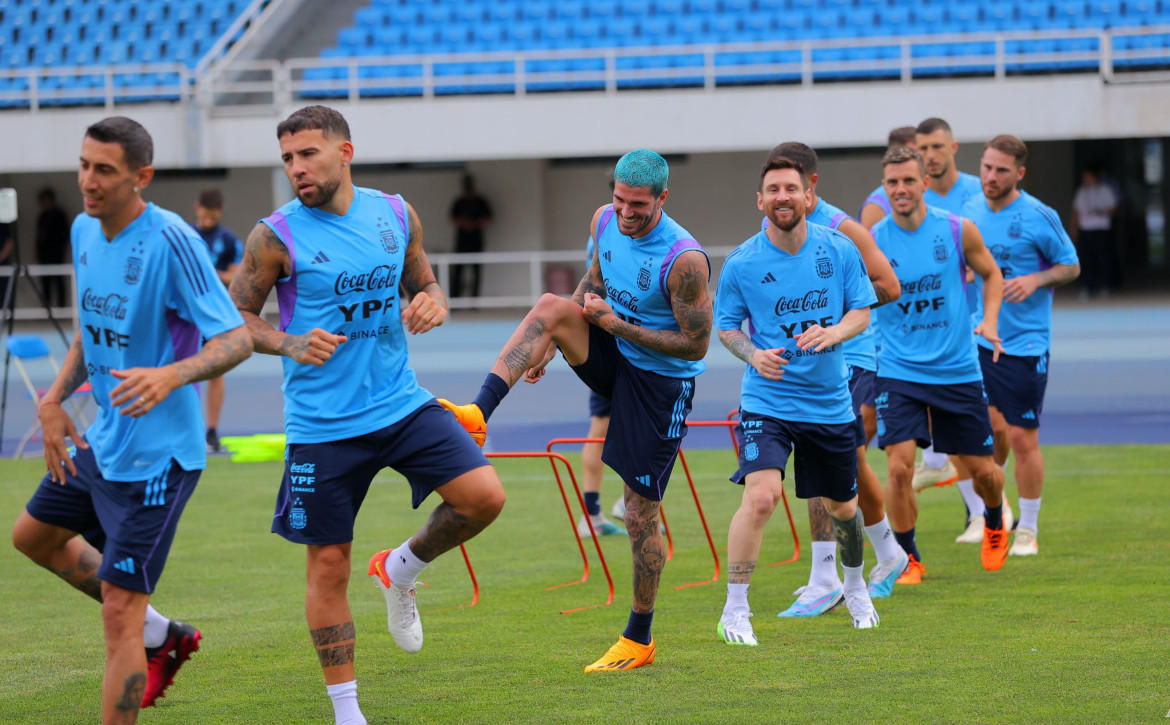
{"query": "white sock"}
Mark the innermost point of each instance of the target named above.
(736, 599)
(824, 565)
(1005, 463)
(403, 567)
(1029, 513)
(154, 631)
(881, 537)
(853, 577)
(345, 704)
(930, 459)
(973, 500)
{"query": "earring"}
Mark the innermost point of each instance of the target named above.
(136, 190)
(345, 163)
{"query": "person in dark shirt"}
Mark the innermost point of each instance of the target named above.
(471, 214)
(52, 241)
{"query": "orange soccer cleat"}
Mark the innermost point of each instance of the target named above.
(995, 549)
(625, 655)
(915, 570)
(470, 417)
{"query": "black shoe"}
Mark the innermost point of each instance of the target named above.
(213, 445)
(163, 662)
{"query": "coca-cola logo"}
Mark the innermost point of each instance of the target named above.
(928, 283)
(817, 299)
(384, 276)
(112, 305)
(621, 297)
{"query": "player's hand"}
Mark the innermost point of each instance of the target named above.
(56, 426)
(769, 363)
(315, 347)
(423, 314)
(536, 372)
(1018, 289)
(818, 338)
(596, 308)
(142, 389)
(990, 334)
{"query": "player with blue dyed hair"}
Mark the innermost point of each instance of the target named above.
(642, 168)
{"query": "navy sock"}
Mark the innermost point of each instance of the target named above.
(993, 517)
(493, 391)
(593, 502)
(906, 541)
(638, 628)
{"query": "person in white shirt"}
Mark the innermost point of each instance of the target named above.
(1093, 207)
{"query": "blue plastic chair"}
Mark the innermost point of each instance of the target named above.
(30, 348)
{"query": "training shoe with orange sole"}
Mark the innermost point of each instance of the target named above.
(995, 549)
(470, 417)
(625, 655)
(915, 570)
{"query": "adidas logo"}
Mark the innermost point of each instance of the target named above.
(893, 263)
(644, 480)
(769, 277)
(320, 258)
(1030, 415)
(83, 262)
(829, 559)
(989, 441)
(606, 255)
(126, 565)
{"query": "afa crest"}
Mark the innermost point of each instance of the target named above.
(824, 268)
(751, 451)
(644, 274)
(940, 253)
(297, 518)
(133, 271)
(389, 240)
(1016, 228)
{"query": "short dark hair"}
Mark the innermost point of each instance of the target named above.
(47, 194)
(322, 118)
(775, 162)
(1011, 146)
(211, 199)
(798, 152)
(902, 154)
(136, 143)
(931, 125)
(901, 136)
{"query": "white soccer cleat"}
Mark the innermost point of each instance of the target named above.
(925, 477)
(861, 609)
(1025, 543)
(602, 525)
(737, 629)
(884, 574)
(974, 532)
(401, 613)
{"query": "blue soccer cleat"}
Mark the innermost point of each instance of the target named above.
(884, 573)
(813, 601)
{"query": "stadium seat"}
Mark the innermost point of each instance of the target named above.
(26, 349)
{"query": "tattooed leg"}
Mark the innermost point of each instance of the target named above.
(327, 610)
(761, 494)
(471, 501)
(334, 644)
(647, 547)
(552, 320)
(820, 524)
(123, 612)
(60, 551)
(851, 536)
(443, 531)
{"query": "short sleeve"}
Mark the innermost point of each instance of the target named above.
(194, 290)
(1053, 241)
(859, 291)
(730, 307)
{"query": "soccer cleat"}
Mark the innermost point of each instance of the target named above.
(213, 444)
(861, 609)
(812, 601)
(884, 573)
(470, 417)
(625, 655)
(619, 508)
(915, 570)
(995, 549)
(602, 525)
(164, 661)
(1025, 543)
(1009, 519)
(401, 614)
(973, 534)
(736, 629)
(925, 477)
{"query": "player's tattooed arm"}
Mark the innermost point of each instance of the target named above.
(1018, 289)
(739, 344)
(218, 355)
(592, 282)
(881, 272)
(72, 374)
(334, 644)
(266, 260)
(426, 304)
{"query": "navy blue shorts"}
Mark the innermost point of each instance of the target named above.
(132, 524)
(956, 413)
(599, 405)
(649, 415)
(1016, 385)
(324, 484)
(826, 457)
(861, 387)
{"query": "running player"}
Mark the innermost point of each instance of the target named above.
(877, 204)
(636, 331)
(803, 290)
(1036, 255)
(929, 384)
(339, 256)
(824, 590)
(147, 291)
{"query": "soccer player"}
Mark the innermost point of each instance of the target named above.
(803, 290)
(1036, 255)
(146, 293)
(877, 204)
(339, 256)
(636, 332)
(929, 383)
(824, 589)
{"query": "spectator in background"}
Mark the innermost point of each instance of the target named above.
(52, 241)
(1093, 207)
(471, 214)
(226, 252)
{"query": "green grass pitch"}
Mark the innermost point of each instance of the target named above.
(1077, 634)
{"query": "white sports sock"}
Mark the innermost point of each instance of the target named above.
(930, 459)
(345, 704)
(973, 500)
(881, 537)
(824, 565)
(736, 598)
(1029, 513)
(403, 567)
(154, 631)
(854, 579)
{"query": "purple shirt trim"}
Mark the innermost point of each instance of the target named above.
(286, 291)
(184, 336)
(605, 217)
(837, 219)
(957, 232)
(676, 249)
(399, 211)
